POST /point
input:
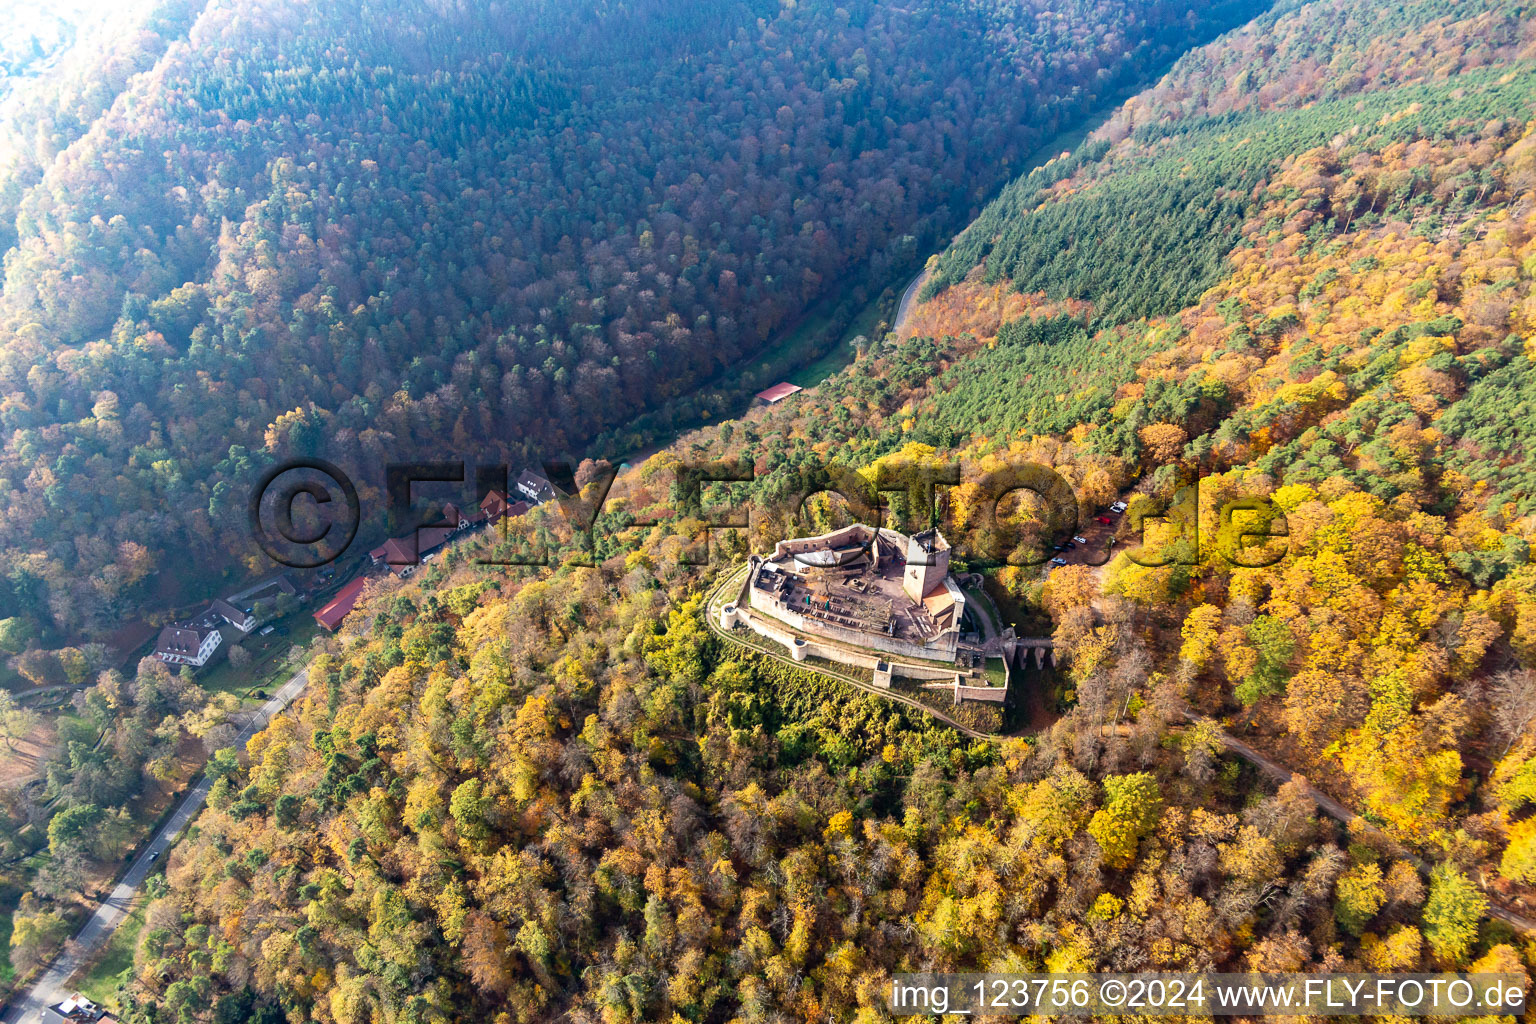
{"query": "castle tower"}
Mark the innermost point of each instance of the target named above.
(927, 564)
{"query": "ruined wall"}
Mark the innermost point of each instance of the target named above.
(994, 694)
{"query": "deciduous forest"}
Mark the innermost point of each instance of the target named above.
(1296, 270)
(381, 232)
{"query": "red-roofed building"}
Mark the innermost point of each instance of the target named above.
(778, 393)
(395, 552)
(457, 519)
(346, 598)
(494, 505)
(402, 554)
(430, 538)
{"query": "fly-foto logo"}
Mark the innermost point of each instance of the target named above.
(306, 512)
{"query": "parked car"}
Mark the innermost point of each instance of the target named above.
(1118, 506)
(1105, 520)
(1058, 560)
(1070, 546)
(1058, 547)
(265, 630)
(1081, 540)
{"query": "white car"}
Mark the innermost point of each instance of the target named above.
(1081, 540)
(1058, 560)
(1118, 506)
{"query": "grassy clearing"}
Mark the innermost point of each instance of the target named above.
(797, 348)
(879, 310)
(115, 964)
(794, 358)
(269, 668)
(814, 373)
(997, 673)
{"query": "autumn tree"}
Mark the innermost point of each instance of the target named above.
(1451, 913)
(1131, 806)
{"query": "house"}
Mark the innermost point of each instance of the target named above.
(430, 538)
(77, 1009)
(191, 642)
(267, 590)
(341, 605)
(777, 393)
(187, 643)
(398, 553)
(395, 551)
(241, 619)
(493, 506)
(536, 488)
(498, 502)
(402, 554)
(457, 519)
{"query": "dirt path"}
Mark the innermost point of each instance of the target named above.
(1334, 809)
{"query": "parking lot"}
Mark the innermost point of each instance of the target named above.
(1094, 542)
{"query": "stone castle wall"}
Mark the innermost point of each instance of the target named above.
(801, 648)
(943, 648)
(995, 694)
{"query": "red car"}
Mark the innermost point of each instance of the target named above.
(1105, 520)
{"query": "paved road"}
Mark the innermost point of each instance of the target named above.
(52, 986)
(908, 297)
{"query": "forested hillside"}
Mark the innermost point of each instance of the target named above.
(1139, 221)
(382, 231)
(47, 110)
(558, 793)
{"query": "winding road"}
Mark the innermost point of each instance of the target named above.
(53, 985)
(908, 298)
